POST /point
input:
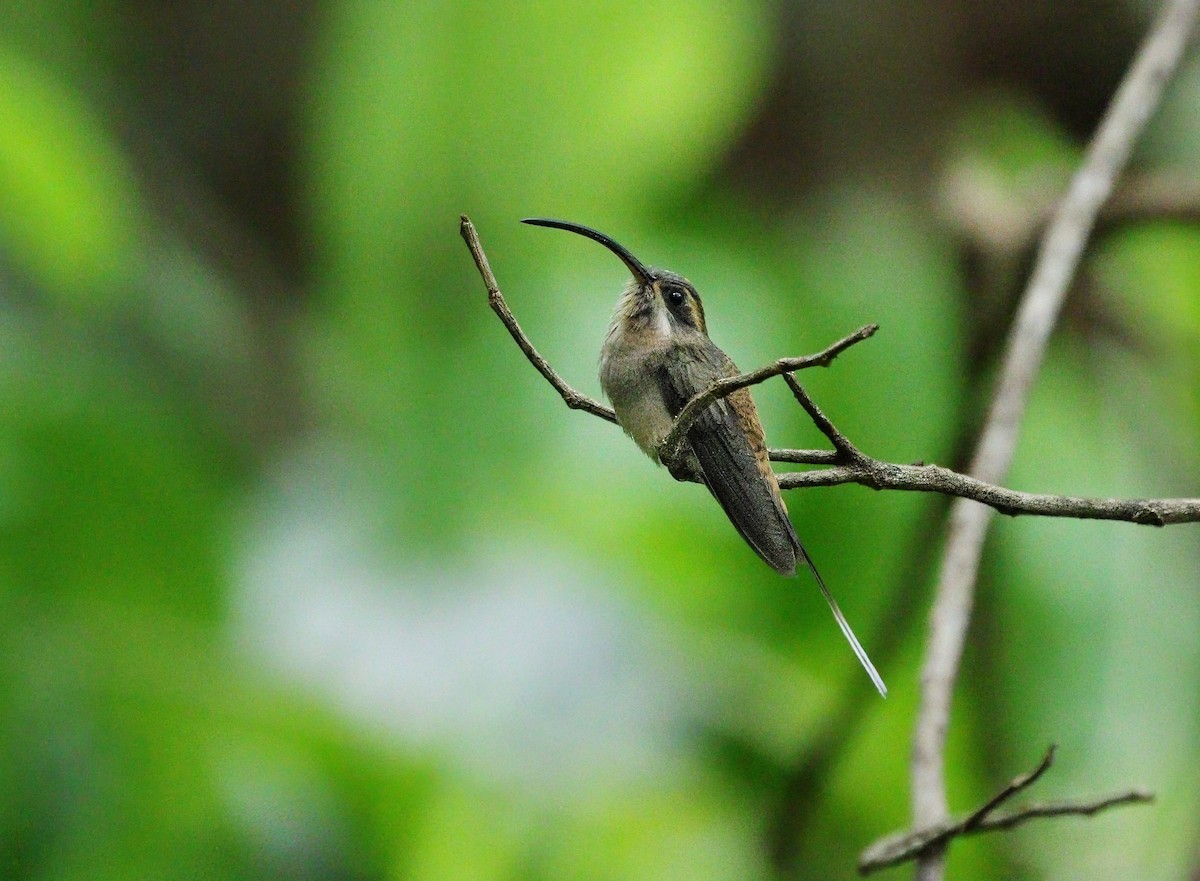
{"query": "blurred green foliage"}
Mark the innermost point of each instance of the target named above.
(318, 579)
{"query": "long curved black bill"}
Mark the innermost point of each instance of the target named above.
(640, 272)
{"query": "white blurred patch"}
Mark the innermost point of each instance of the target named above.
(507, 660)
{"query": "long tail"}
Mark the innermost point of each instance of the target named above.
(859, 651)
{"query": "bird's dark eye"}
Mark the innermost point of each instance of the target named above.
(675, 297)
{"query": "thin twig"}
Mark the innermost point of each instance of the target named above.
(1010, 789)
(851, 464)
(847, 453)
(573, 399)
(907, 846)
(1058, 258)
(904, 846)
(670, 447)
(1067, 808)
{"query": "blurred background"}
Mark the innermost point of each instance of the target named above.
(306, 574)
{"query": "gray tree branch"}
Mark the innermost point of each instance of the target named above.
(573, 399)
(1058, 258)
(875, 474)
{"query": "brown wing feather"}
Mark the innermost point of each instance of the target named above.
(727, 441)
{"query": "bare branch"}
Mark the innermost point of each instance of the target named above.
(875, 474)
(1058, 258)
(1010, 789)
(573, 399)
(1067, 808)
(902, 847)
(906, 846)
(847, 453)
(670, 447)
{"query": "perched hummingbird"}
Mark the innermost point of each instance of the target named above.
(656, 357)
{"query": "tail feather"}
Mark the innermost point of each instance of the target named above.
(859, 651)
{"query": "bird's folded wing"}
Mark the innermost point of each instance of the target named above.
(726, 439)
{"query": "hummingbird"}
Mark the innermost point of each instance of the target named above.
(656, 357)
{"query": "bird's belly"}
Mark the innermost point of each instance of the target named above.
(636, 398)
(644, 417)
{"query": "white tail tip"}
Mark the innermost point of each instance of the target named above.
(859, 651)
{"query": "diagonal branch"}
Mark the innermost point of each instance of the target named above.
(847, 453)
(1058, 258)
(573, 399)
(902, 847)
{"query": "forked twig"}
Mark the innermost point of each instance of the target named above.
(785, 367)
(902, 847)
